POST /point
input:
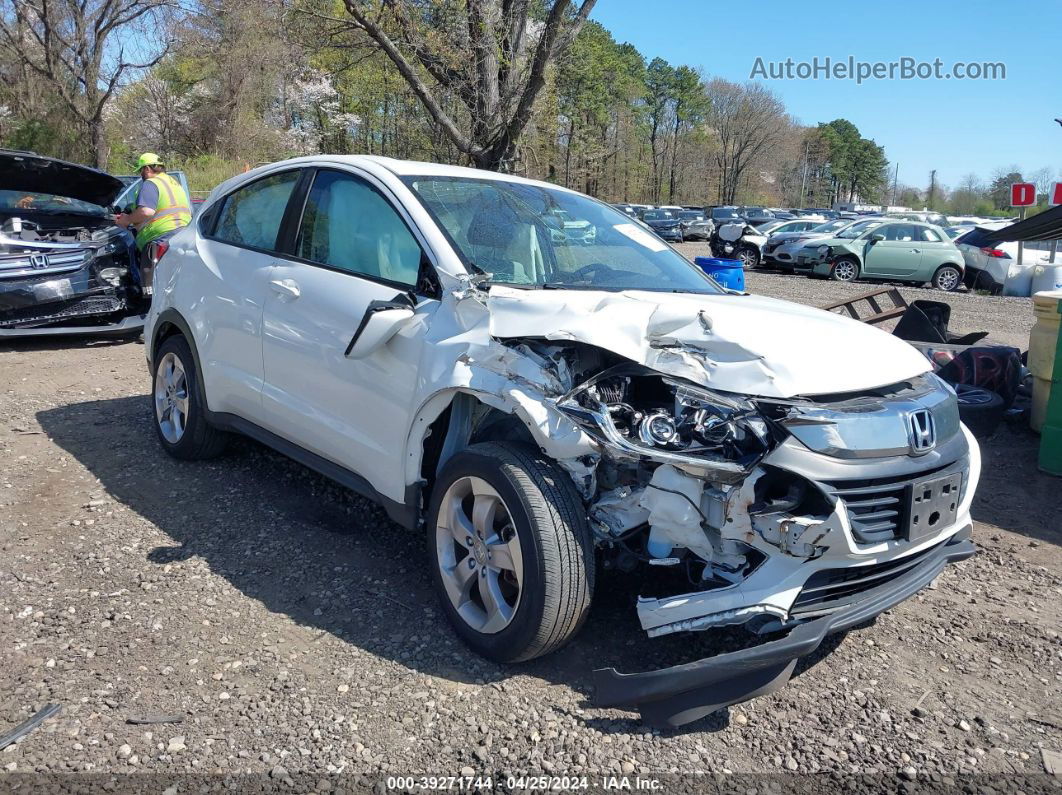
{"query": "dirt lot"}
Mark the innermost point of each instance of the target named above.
(290, 625)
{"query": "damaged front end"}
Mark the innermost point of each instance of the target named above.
(809, 515)
(76, 277)
(65, 266)
(744, 480)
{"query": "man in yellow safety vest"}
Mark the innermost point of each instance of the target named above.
(162, 206)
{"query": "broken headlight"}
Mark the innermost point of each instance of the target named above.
(642, 413)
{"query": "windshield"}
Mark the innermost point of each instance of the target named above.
(46, 203)
(725, 212)
(511, 231)
(691, 215)
(656, 215)
(855, 230)
(831, 226)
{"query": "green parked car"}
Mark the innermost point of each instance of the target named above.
(905, 251)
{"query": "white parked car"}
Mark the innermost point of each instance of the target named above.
(541, 410)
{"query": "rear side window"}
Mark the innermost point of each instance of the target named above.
(251, 216)
(349, 226)
(900, 232)
(929, 235)
(975, 237)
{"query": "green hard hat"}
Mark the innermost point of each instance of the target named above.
(148, 159)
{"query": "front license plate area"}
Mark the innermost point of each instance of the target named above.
(933, 505)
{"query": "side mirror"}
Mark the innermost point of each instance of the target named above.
(876, 238)
(381, 322)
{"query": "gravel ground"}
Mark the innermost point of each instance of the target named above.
(290, 626)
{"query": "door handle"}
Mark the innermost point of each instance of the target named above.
(285, 287)
(916, 251)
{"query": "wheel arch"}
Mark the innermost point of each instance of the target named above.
(453, 418)
(170, 323)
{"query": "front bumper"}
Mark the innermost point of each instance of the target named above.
(675, 696)
(80, 300)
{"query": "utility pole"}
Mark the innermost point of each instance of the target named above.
(804, 178)
(932, 189)
(895, 183)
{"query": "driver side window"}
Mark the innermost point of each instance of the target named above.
(349, 226)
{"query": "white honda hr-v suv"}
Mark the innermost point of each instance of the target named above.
(540, 407)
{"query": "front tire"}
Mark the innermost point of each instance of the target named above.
(749, 256)
(180, 406)
(845, 270)
(947, 278)
(512, 557)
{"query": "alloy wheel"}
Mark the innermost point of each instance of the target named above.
(948, 279)
(844, 271)
(171, 398)
(479, 556)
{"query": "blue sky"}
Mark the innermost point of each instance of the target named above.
(954, 126)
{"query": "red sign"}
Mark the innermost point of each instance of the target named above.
(1022, 194)
(1056, 194)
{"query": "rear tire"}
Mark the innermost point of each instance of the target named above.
(542, 565)
(947, 278)
(179, 405)
(845, 270)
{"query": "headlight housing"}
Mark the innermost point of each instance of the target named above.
(822, 251)
(636, 412)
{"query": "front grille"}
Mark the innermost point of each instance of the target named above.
(878, 507)
(876, 513)
(81, 307)
(41, 264)
(833, 589)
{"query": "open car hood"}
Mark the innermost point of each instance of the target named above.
(25, 171)
(736, 343)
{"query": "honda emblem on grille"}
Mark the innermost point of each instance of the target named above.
(922, 431)
(38, 261)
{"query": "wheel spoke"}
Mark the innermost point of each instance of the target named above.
(484, 509)
(459, 525)
(177, 418)
(499, 612)
(506, 555)
(458, 580)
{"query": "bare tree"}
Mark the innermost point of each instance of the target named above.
(748, 120)
(84, 49)
(1043, 180)
(491, 54)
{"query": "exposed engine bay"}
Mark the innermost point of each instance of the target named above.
(21, 234)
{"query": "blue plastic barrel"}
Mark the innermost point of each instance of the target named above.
(728, 272)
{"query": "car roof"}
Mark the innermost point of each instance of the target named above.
(404, 168)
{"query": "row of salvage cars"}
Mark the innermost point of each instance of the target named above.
(65, 266)
(878, 248)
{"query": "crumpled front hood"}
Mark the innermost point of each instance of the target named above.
(736, 343)
(25, 171)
